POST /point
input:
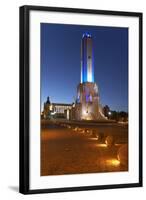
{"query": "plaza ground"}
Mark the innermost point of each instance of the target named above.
(73, 147)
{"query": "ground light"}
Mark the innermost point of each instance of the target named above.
(101, 145)
(113, 162)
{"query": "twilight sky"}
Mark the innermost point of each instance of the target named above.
(60, 63)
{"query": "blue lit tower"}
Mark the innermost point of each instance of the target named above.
(87, 59)
(87, 106)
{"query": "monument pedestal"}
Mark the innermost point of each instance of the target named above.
(87, 105)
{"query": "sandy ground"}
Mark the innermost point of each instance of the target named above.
(66, 151)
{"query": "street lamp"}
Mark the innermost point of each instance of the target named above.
(109, 114)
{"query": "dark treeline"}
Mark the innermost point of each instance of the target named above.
(115, 115)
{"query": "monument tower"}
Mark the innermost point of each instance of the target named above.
(87, 106)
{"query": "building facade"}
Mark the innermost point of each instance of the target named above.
(56, 110)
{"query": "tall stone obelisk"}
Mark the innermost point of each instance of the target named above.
(87, 59)
(87, 106)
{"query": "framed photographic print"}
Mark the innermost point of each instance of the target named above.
(80, 99)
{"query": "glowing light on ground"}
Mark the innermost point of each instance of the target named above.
(93, 139)
(101, 145)
(113, 162)
(118, 145)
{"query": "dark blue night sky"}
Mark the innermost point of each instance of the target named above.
(60, 63)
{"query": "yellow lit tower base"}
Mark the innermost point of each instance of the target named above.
(87, 106)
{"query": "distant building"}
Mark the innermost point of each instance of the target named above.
(56, 110)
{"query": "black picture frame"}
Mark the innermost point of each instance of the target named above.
(24, 148)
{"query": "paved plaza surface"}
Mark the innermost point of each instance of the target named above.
(68, 149)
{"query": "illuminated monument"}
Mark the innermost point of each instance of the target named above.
(87, 106)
